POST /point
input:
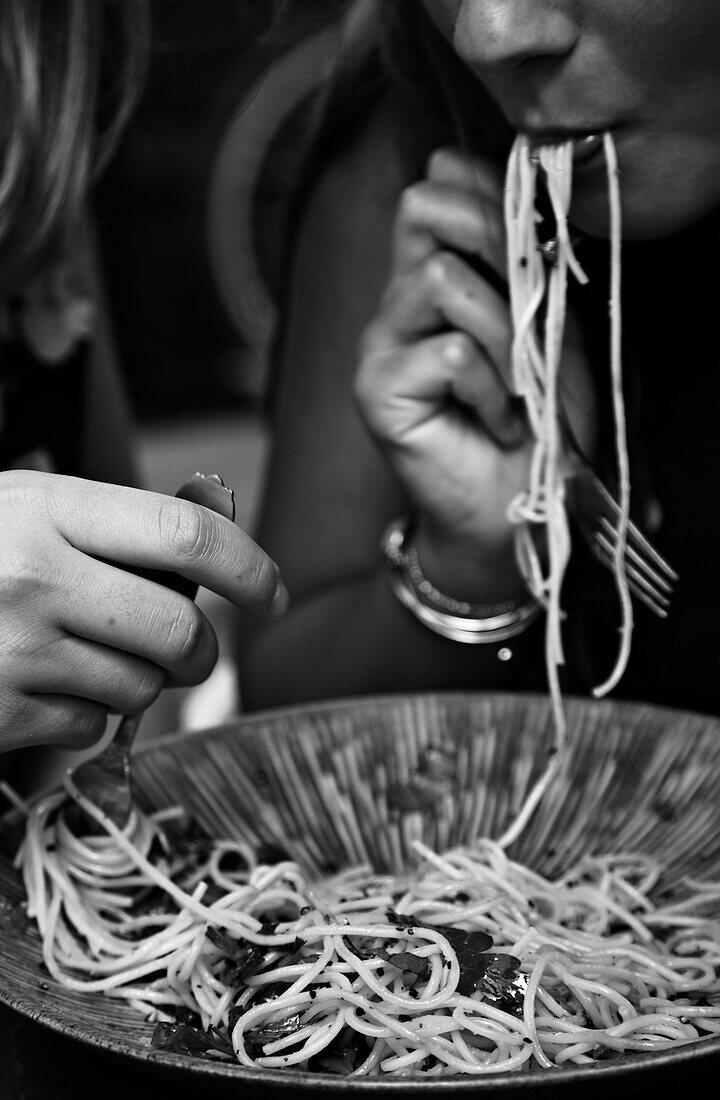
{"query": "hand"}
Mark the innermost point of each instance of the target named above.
(80, 634)
(434, 381)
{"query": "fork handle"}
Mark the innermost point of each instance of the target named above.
(125, 733)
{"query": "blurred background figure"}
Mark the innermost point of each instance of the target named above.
(180, 263)
(192, 207)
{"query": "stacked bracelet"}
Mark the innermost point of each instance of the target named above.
(456, 619)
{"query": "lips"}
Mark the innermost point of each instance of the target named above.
(587, 145)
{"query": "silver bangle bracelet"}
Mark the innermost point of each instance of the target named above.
(475, 624)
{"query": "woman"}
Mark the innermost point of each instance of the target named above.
(393, 396)
(80, 633)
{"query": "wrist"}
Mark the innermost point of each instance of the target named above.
(458, 619)
(464, 571)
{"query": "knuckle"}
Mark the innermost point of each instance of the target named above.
(459, 348)
(411, 204)
(18, 486)
(40, 498)
(182, 633)
(439, 161)
(186, 531)
(261, 574)
(441, 269)
(369, 391)
(27, 646)
(377, 336)
(142, 688)
(21, 571)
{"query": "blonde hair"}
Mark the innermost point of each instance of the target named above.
(70, 73)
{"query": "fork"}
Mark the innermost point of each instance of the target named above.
(106, 778)
(649, 576)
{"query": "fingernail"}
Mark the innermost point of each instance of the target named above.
(280, 601)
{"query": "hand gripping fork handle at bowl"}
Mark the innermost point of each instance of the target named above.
(106, 779)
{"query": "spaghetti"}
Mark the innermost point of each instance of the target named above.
(538, 291)
(470, 964)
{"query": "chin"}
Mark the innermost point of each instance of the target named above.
(641, 224)
(645, 216)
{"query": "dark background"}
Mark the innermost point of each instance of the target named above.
(181, 350)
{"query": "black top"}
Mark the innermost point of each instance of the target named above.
(672, 393)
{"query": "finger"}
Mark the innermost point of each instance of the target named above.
(400, 392)
(444, 294)
(119, 681)
(474, 173)
(434, 216)
(97, 673)
(483, 178)
(53, 720)
(475, 383)
(115, 608)
(148, 530)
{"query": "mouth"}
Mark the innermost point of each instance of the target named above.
(587, 144)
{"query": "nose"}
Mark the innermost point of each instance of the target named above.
(502, 34)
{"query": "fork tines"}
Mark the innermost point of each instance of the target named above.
(643, 581)
(650, 577)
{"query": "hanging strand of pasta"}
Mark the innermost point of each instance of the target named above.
(538, 291)
(622, 458)
(537, 303)
(557, 164)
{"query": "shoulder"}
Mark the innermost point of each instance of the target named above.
(342, 238)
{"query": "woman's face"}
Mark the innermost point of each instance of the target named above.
(646, 70)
